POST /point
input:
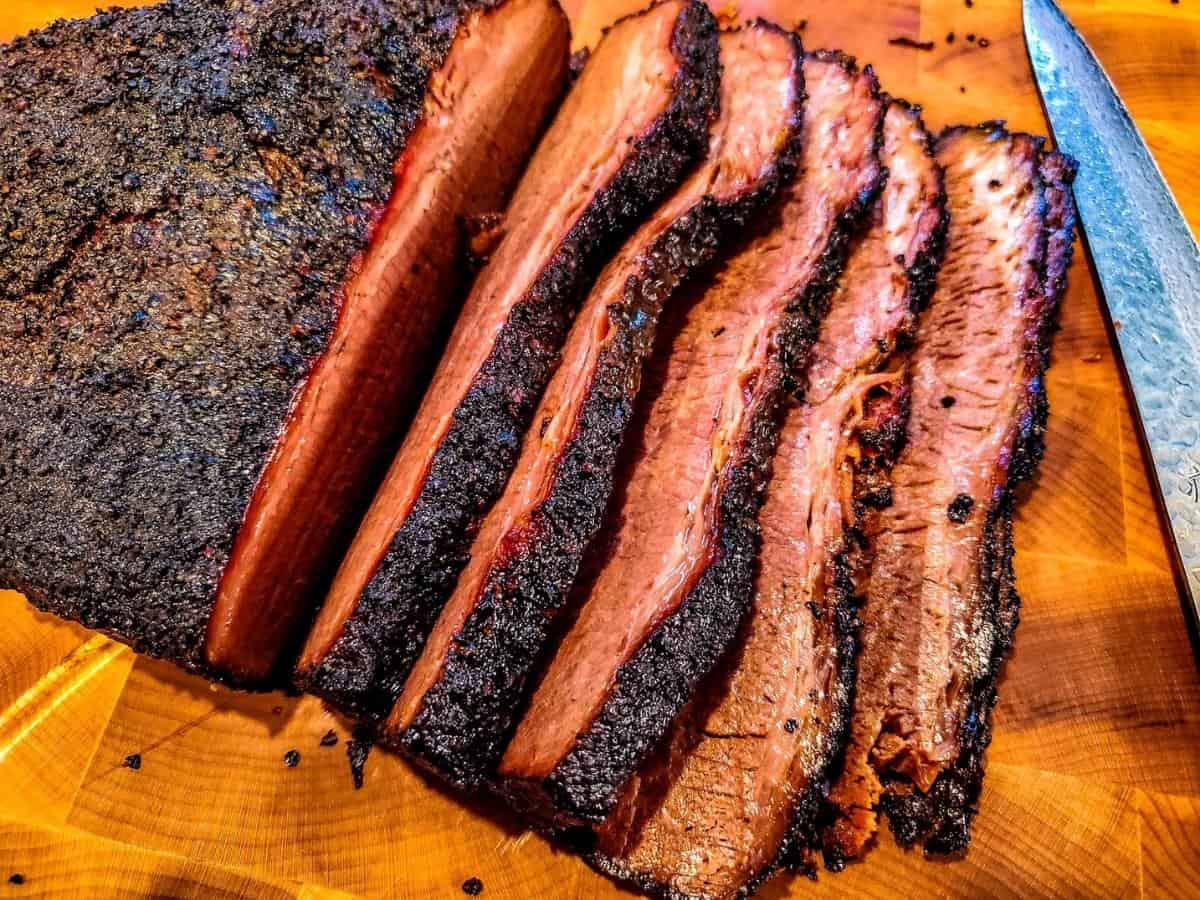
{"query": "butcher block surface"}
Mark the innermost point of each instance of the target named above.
(123, 775)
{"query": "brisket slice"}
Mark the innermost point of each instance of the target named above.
(483, 110)
(941, 605)
(633, 121)
(186, 189)
(736, 789)
(673, 578)
(463, 697)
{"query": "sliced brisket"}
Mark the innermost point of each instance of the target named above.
(673, 578)
(736, 788)
(483, 110)
(637, 116)
(192, 191)
(463, 697)
(941, 605)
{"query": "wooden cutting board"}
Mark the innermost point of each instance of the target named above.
(1093, 784)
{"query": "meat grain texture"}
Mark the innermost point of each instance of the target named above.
(672, 575)
(635, 119)
(483, 109)
(523, 564)
(185, 187)
(734, 792)
(941, 605)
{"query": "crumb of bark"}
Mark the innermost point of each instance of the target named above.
(971, 37)
(472, 887)
(960, 508)
(291, 759)
(16, 878)
(133, 761)
(950, 38)
(357, 749)
(994, 185)
(962, 88)
(909, 42)
(329, 738)
(717, 332)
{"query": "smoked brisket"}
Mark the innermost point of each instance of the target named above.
(483, 110)
(941, 605)
(736, 788)
(188, 190)
(672, 578)
(463, 698)
(637, 116)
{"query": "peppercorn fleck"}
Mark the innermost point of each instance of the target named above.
(291, 759)
(472, 887)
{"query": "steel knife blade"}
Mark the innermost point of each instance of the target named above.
(1145, 257)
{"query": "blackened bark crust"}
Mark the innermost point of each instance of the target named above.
(501, 644)
(653, 686)
(185, 189)
(941, 819)
(365, 671)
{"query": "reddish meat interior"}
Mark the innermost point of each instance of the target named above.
(743, 143)
(925, 636)
(718, 366)
(624, 88)
(483, 111)
(772, 725)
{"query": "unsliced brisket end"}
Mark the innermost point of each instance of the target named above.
(464, 696)
(483, 111)
(186, 190)
(736, 789)
(635, 118)
(941, 604)
(673, 577)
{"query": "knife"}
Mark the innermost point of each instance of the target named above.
(1145, 257)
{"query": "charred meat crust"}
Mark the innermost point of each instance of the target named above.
(653, 686)
(941, 819)
(881, 436)
(165, 170)
(364, 672)
(848, 563)
(540, 574)
(468, 717)
(871, 491)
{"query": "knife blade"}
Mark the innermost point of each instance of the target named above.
(1145, 257)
